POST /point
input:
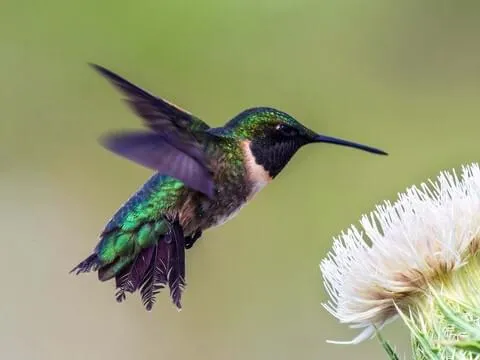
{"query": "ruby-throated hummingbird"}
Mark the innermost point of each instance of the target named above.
(203, 178)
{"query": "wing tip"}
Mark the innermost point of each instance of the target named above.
(98, 68)
(107, 73)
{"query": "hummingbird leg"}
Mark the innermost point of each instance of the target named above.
(190, 240)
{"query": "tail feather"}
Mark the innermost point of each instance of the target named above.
(167, 267)
(131, 277)
(177, 284)
(120, 285)
(116, 268)
(139, 269)
(155, 279)
(91, 263)
(147, 270)
(176, 275)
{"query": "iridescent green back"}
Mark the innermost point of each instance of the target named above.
(139, 222)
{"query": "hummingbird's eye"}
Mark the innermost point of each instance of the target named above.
(286, 130)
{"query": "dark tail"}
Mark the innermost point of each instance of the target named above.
(149, 270)
(152, 270)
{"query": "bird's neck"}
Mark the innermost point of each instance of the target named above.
(239, 169)
(256, 175)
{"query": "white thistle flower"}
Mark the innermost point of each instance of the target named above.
(422, 241)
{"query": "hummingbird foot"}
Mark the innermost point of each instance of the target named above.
(190, 240)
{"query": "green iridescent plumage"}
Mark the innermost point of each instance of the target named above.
(139, 222)
(252, 123)
(204, 177)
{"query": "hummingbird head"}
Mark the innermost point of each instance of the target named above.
(274, 137)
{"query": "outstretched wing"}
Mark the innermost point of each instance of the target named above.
(174, 146)
(166, 154)
(158, 114)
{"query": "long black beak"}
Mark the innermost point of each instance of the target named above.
(332, 140)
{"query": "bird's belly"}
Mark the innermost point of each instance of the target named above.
(223, 216)
(222, 219)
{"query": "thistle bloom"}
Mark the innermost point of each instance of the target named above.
(415, 258)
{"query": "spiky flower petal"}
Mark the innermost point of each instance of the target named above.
(403, 248)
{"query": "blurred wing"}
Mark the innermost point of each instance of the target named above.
(166, 154)
(157, 114)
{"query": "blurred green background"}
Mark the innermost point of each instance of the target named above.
(403, 76)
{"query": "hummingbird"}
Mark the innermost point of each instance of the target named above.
(203, 176)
